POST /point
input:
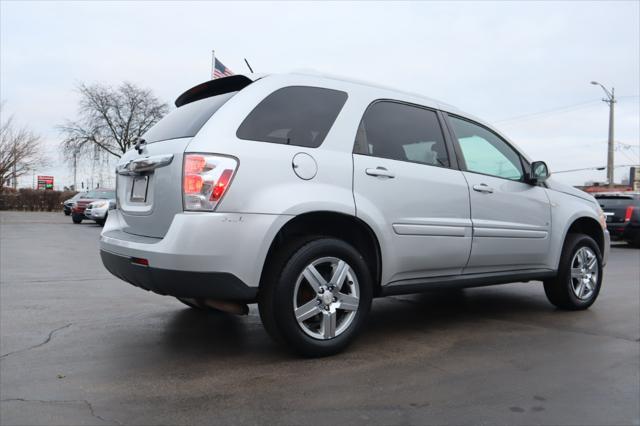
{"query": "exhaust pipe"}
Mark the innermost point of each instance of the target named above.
(235, 308)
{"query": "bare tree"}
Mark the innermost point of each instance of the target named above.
(21, 150)
(111, 119)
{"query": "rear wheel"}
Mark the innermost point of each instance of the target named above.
(579, 278)
(101, 221)
(76, 219)
(316, 296)
(66, 213)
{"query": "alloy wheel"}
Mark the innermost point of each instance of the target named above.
(326, 298)
(584, 273)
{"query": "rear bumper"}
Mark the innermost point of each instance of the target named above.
(209, 255)
(207, 285)
(623, 231)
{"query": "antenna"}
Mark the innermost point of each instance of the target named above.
(247, 62)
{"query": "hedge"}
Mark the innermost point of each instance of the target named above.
(26, 199)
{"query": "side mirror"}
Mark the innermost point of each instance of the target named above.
(539, 172)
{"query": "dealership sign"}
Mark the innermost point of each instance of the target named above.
(45, 182)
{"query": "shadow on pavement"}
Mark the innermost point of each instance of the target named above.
(190, 332)
(446, 308)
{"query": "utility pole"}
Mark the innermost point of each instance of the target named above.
(611, 100)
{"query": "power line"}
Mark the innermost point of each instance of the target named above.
(593, 168)
(625, 154)
(558, 109)
(549, 111)
(626, 145)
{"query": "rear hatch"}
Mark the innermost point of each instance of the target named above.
(149, 183)
(615, 207)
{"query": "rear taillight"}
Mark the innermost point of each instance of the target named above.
(628, 214)
(205, 179)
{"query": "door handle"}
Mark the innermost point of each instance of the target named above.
(380, 172)
(483, 187)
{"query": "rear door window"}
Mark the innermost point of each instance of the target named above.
(296, 115)
(402, 132)
(186, 121)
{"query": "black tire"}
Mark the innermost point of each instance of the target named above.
(277, 290)
(66, 213)
(101, 221)
(560, 289)
(76, 219)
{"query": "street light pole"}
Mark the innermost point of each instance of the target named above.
(611, 100)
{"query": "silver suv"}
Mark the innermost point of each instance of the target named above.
(311, 195)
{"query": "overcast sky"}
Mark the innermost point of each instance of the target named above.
(504, 62)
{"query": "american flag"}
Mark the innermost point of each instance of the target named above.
(219, 70)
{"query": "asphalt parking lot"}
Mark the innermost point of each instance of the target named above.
(81, 347)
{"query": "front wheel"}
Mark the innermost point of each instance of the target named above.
(579, 278)
(76, 219)
(316, 296)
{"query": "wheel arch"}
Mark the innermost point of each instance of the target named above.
(588, 226)
(346, 227)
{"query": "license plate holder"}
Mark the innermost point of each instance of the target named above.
(139, 188)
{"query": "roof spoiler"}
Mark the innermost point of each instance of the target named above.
(214, 87)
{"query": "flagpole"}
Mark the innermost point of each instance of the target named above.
(213, 64)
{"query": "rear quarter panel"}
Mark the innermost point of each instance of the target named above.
(265, 181)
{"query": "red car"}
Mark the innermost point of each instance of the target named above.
(77, 211)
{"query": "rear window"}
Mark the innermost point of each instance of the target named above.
(296, 115)
(617, 201)
(187, 120)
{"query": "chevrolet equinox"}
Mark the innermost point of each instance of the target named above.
(310, 195)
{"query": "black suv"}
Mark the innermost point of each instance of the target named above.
(623, 215)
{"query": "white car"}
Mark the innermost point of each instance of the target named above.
(311, 195)
(99, 210)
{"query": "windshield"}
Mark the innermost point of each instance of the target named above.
(103, 195)
(187, 120)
